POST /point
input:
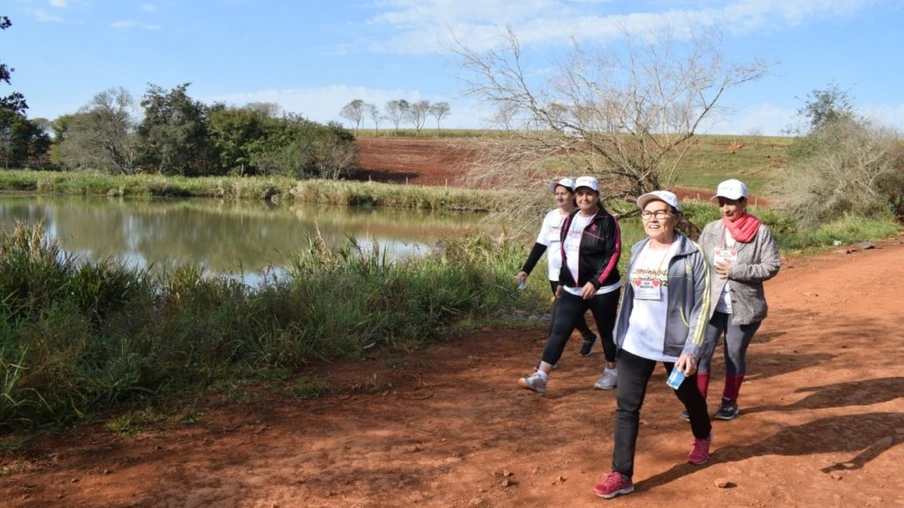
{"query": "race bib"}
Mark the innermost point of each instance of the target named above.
(730, 255)
(647, 289)
(572, 241)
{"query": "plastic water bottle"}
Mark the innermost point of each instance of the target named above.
(675, 378)
(522, 284)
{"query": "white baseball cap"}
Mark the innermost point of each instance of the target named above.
(731, 189)
(587, 181)
(568, 183)
(666, 197)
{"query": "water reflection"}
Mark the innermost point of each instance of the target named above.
(224, 237)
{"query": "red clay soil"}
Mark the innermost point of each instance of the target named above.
(821, 424)
(432, 161)
(413, 161)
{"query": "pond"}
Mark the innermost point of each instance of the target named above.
(225, 237)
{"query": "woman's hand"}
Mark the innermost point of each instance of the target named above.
(687, 363)
(588, 291)
(559, 290)
(722, 268)
(522, 275)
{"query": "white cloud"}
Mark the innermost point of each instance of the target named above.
(128, 24)
(59, 4)
(46, 17)
(149, 7)
(425, 26)
(889, 115)
(764, 118)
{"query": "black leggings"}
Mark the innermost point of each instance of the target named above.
(568, 309)
(580, 324)
(633, 375)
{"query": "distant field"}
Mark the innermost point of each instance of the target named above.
(429, 159)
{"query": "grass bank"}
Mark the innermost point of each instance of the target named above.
(77, 339)
(343, 193)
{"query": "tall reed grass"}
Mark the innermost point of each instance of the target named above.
(79, 338)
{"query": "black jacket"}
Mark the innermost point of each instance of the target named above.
(598, 254)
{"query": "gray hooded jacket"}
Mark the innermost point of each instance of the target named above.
(688, 299)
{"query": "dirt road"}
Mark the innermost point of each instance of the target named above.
(822, 422)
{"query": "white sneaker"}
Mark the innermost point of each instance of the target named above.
(608, 380)
(533, 382)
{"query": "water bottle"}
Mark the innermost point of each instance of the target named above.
(522, 284)
(675, 378)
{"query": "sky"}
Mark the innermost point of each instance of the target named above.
(314, 56)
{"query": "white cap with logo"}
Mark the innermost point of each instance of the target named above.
(731, 189)
(568, 183)
(587, 181)
(666, 197)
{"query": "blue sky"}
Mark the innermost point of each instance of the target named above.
(312, 57)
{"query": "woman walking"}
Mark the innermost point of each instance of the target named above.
(743, 254)
(662, 319)
(588, 279)
(550, 239)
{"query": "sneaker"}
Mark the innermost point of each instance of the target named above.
(533, 382)
(727, 411)
(700, 452)
(587, 346)
(687, 417)
(608, 380)
(614, 484)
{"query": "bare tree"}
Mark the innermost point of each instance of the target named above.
(354, 112)
(102, 134)
(625, 114)
(417, 114)
(396, 111)
(438, 111)
(373, 112)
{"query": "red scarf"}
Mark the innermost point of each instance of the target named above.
(744, 229)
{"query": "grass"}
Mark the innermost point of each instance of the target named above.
(78, 340)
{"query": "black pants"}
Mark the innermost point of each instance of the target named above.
(580, 324)
(633, 375)
(568, 309)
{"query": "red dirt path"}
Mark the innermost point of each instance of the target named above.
(821, 424)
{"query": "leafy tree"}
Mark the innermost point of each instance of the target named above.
(396, 111)
(299, 148)
(841, 163)
(174, 132)
(15, 101)
(417, 114)
(100, 135)
(354, 112)
(439, 111)
(234, 135)
(23, 142)
(823, 107)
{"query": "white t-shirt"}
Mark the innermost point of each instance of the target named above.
(572, 248)
(728, 251)
(646, 325)
(550, 237)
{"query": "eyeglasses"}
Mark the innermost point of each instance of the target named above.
(659, 214)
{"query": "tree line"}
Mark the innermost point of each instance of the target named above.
(397, 112)
(168, 132)
(178, 135)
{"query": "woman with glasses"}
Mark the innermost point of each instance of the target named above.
(662, 319)
(743, 254)
(588, 279)
(563, 192)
